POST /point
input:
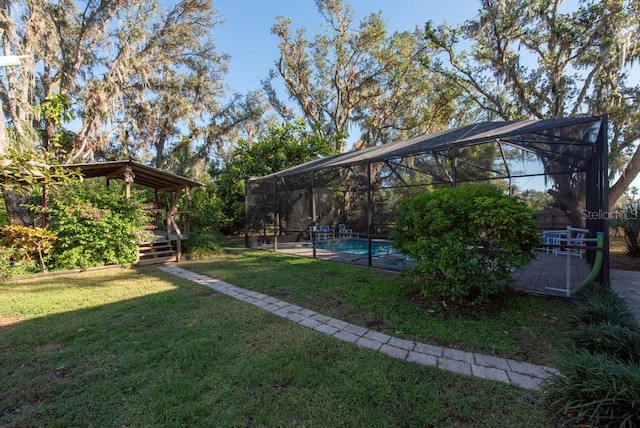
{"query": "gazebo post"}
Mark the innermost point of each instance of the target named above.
(246, 213)
(45, 206)
(156, 204)
(128, 177)
(185, 223)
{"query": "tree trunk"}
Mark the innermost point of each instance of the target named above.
(569, 195)
(628, 175)
(15, 211)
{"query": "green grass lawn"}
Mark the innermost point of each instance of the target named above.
(521, 326)
(141, 348)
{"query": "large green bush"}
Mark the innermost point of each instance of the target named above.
(97, 227)
(465, 240)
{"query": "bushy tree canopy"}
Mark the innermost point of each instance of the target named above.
(521, 59)
(282, 147)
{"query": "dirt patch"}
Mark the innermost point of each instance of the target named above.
(327, 301)
(469, 310)
(9, 320)
(618, 258)
(50, 347)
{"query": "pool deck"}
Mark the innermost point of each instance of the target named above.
(390, 262)
(546, 274)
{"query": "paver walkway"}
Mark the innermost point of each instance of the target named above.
(521, 374)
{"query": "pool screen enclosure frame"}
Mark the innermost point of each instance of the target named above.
(359, 190)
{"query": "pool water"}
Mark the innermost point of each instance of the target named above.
(358, 246)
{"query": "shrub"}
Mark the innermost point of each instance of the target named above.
(29, 244)
(202, 242)
(600, 304)
(599, 379)
(614, 341)
(466, 240)
(592, 390)
(98, 227)
(205, 209)
(631, 226)
(13, 262)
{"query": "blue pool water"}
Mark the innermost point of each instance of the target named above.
(358, 246)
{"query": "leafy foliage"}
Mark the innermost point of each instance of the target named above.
(356, 74)
(98, 227)
(596, 391)
(536, 59)
(283, 146)
(203, 242)
(465, 240)
(600, 304)
(599, 377)
(147, 67)
(630, 224)
(615, 341)
(29, 243)
(204, 208)
(13, 262)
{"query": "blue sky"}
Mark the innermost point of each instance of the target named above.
(246, 33)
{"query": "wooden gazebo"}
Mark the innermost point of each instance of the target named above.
(176, 225)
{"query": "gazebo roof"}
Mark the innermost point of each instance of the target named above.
(143, 175)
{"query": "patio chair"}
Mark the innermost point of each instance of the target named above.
(326, 233)
(549, 238)
(571, 245)
(343, 232)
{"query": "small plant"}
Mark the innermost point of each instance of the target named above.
(600, 304)
(203, 242)
(28, 244)
(466, 240)
(592, 390)
(599, 379)
(631, 227)
(614, 341)
(14, 262)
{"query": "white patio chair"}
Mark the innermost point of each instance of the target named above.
(343, 232)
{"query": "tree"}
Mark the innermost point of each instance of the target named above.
(136, 74)
(532, 59)
(282, 147)
(129, 68)
(359, 78)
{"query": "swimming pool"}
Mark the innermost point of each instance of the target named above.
(358, 246)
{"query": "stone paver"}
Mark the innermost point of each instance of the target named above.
(394, 352)
(455, 354)
(424, 359)
(520, 374)
(454, 366)
(346, 336)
